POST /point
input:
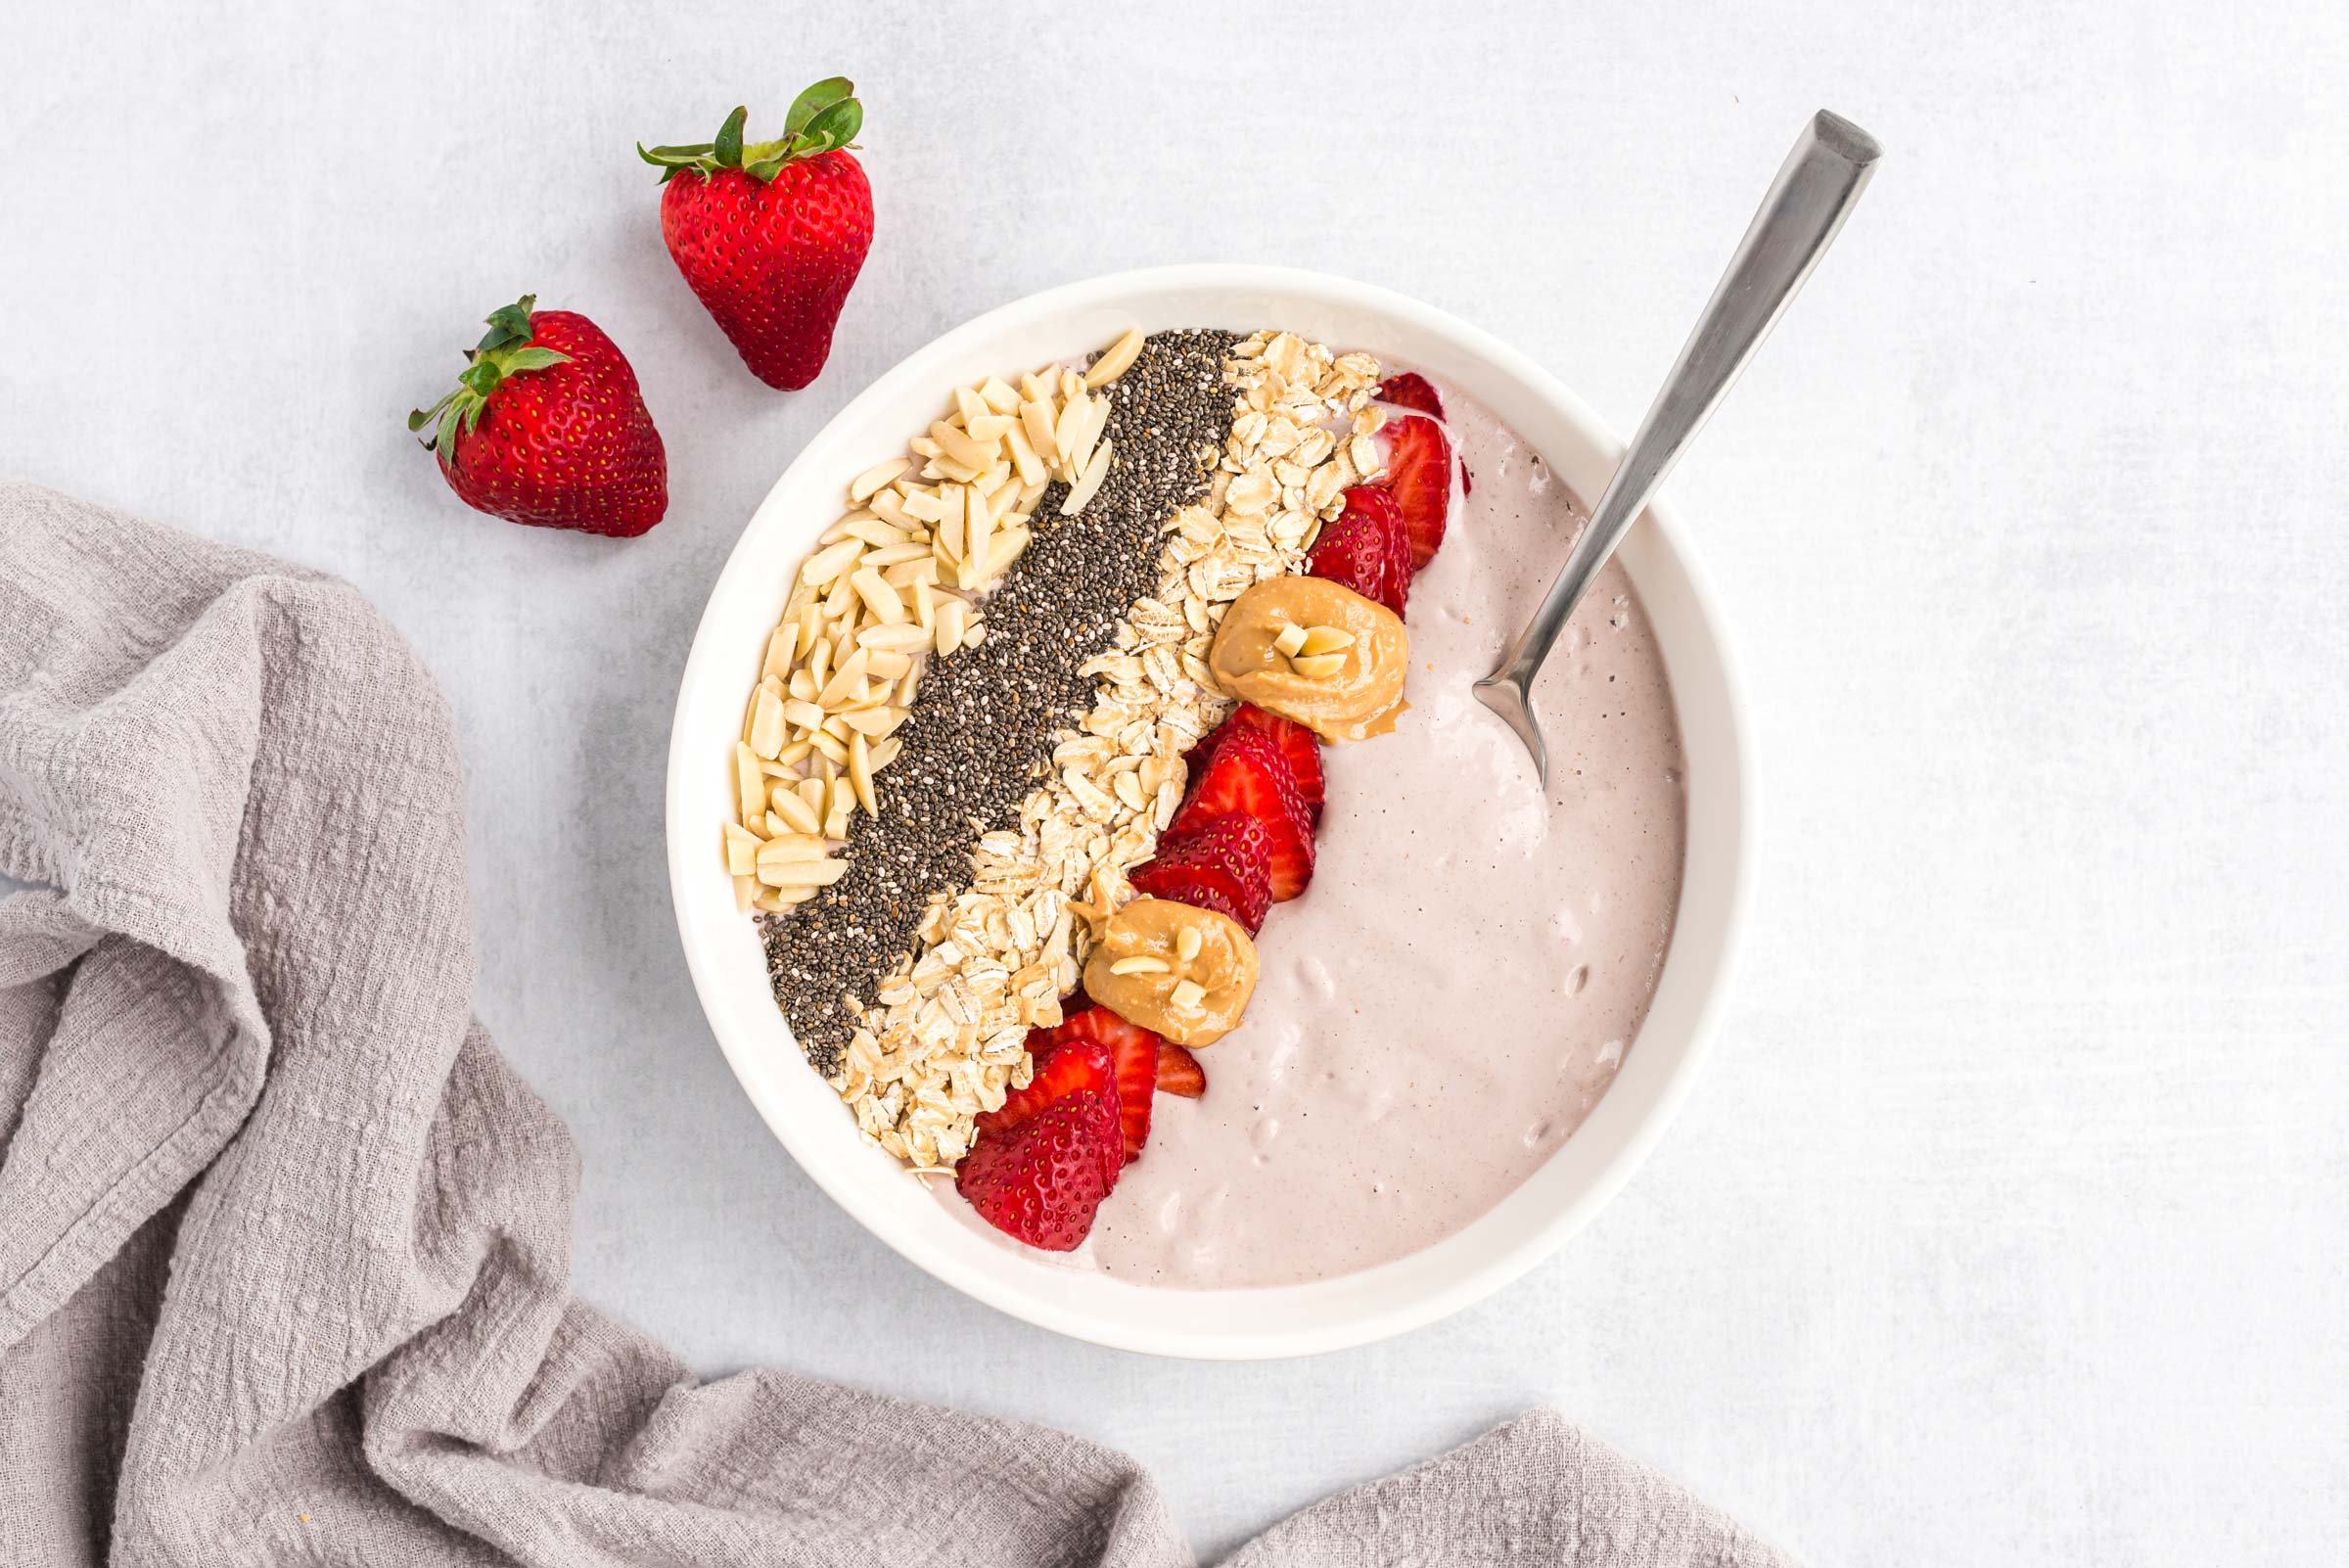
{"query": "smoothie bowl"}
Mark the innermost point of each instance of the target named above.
(1097, 871)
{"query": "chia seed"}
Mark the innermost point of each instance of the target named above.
(981, 728)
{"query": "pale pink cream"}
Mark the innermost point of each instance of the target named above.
(1455, 990)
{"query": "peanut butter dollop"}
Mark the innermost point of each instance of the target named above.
(1348, 693)
(1186, 972)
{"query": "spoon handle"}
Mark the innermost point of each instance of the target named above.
(1813, 193)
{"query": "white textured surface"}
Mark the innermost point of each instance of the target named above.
(2010, 1221)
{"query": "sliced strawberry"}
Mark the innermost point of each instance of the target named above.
(1133, 1063)
(1248, 776)
(1419, 476)
(1042, 1181)
(1410, 389)
(1059, 1073)
(1367, 547)
(1299, 744)
(1180, 1072)
(1224, 864)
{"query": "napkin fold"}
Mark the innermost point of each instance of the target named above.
(285, 1245)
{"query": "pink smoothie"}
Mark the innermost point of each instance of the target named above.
(1457, 989)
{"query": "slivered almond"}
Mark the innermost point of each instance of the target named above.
(976, 532)
(975, 634)
(844, 680)
(925, 605)
(953, 619)
(781, 645)
(968, 404)
(922, 446)
(949, 537)
(742, 850)
(953, 444)
(804, 714)
(868, 722)
(989, 427)
(830, 561)
(885, 754)
(1072, 385)
(1024, 456)
(1083, 491)
(1037, 387)
(1140, 963)
(842, 593)
(750, 789)
(909, 573)
(840, 530)
(786, 803)
(792, 847)
(1005, 550)
(801, 685)
(998, 396)
(886, 665)
(898, 554)
(774, 900)
(893, 639)
(767, 723)
(1074, 417)
(1187, 993)
(926, 504)
(890, 507)
(1037, 419)
(1325, 641)
(906, 688)
(1188, 943)
(873, 532)
(830, 749)
(861, 773)
(1291, 641)
(812, 791)
(746, 894)
(878, 596)
(802, 873)
(1318, 666)
(874, 478)
(773, 826)
(1113, 364)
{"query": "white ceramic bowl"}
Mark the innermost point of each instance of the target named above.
(728, 971)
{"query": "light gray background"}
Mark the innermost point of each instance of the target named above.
(2009, 1220)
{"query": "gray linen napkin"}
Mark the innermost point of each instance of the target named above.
(285, 1247)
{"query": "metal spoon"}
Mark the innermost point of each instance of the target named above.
(1814, 191)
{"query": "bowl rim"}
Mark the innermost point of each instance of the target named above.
(684, 826)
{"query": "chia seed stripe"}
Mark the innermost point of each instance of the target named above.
(981, 728)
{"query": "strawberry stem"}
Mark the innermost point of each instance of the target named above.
(504, 350)
(824, 118)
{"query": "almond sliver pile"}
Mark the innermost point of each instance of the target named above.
(898, 579)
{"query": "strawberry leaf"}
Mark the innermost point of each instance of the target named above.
(727, 151)
(534, 359)
(836, 126)
(815, 101)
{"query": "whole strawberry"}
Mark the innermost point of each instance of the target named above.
(546, 427)
(771, 236)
